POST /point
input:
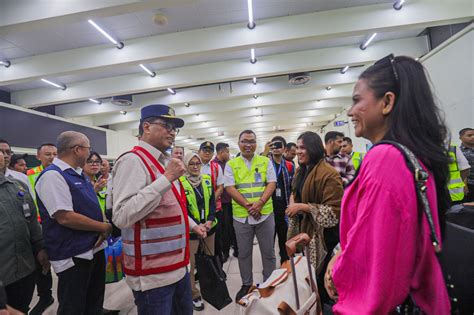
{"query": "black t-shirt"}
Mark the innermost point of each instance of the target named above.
(280, 201)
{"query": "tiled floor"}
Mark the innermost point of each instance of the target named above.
(119, 297)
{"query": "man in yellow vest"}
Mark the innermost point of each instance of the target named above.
(44, 282)
(346, 148)
(250, 180)
(458, 171)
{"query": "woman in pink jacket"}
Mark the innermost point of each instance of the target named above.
(386, 254)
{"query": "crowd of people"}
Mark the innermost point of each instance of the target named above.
(359, 209)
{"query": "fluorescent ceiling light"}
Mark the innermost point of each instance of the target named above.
(95, 101)
(252, 56)
(110, 38)
(151, 73)
(364, 45)
(58, 85)
(398, 4)
(251, 24)
(254, 80)
(344, 70)
(171, 91)
(5, 63)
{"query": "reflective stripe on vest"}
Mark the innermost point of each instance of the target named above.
(155, 248)
(192, 201)
(455, 183)
(247, 186)
(159, 242)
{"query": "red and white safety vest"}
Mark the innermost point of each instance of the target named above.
(214, 175)
(159, 242)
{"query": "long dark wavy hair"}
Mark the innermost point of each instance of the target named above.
(415, 120)
(315, 148)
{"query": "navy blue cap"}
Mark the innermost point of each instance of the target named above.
(162, 111)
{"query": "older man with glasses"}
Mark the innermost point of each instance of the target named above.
(149, 205)
(73, 227)
(250, 180)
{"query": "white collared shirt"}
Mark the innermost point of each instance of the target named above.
(54, 192)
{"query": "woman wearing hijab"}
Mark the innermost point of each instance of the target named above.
(202, 209)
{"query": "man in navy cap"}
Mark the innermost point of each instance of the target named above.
(149, 205)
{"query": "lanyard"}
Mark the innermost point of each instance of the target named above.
(278, 171)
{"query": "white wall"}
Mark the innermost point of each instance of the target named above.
(451, 70)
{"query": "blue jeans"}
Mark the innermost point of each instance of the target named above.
(173, 299)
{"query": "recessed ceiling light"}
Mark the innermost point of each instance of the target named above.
(328, 88)
(171, 91)
(118, 44)
(150, 73)
(187, 104)
(364, 45)
(398, 4)
(255, 96)
(344, 70)
(254, 80)
(5, 63)
(123, 112)
(58, 85)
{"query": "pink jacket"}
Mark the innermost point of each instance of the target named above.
(385, 256)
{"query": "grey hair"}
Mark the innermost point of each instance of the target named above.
(68, 139)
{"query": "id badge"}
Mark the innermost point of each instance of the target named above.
(26, 210)
(278, 193)
(258, 177)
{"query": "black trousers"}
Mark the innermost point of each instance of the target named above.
(228, 233)
(44, 283)
(20, 293)
(81, 288)
(281, 229)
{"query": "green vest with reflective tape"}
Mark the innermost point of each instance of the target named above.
(101, 197)
(192, 201)
(455, 184)
(32, 176)
(248, 186)
(357, 158)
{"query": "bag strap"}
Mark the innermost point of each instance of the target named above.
(421, 177)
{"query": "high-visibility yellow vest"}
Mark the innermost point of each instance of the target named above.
(192, 201)
(455, 184)
(102, 197)
(32, 176)
(357, 158)
(250, 183)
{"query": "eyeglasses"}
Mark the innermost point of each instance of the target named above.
(6, 152)
(94, 162)
(391, 60)
(244, 142)
(207, 151)
(195, 164)
(169, 126)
